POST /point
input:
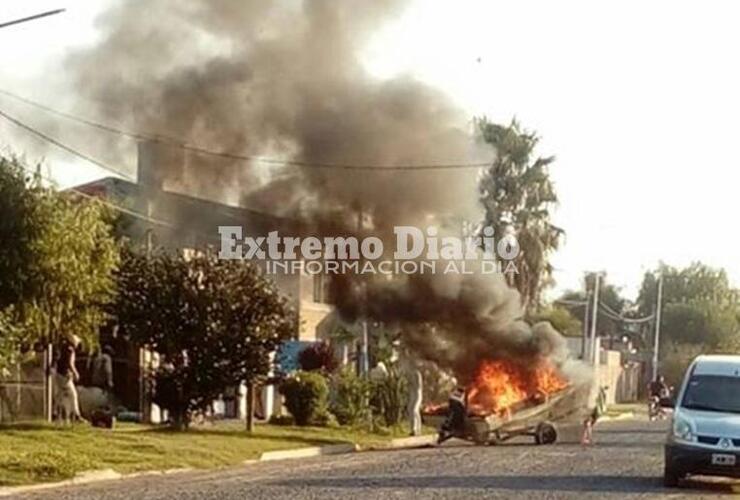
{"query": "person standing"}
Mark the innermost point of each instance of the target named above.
(598, 410)
(454, 424)
(67, 401)
(414, 379)
(102, 369)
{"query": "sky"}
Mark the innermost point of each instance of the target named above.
(637, 100)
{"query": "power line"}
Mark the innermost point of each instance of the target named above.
(102, 165)
(118, 208)
(31, 18)
(176, 143)
(572, 302)
(606, 311)
(617, 317)
(61, 145)
(105, 202)
(621, 317)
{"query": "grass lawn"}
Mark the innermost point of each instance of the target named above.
(32, 453)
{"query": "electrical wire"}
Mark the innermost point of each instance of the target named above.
(607, 311)
(62, 146)
(98, 163)
(103, 201)
(177, 143)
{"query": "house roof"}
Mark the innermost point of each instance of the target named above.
(187, 212)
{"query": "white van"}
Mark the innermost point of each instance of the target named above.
(705, 429)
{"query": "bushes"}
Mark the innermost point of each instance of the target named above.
(350, 397)
(306, 395)
(354, 399)
(318, 357)
(170, 394)
(389, 396)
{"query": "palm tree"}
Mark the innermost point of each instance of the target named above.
(517, 195)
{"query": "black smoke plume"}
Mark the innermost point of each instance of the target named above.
(286, 80)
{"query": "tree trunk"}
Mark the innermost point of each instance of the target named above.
(250, 406)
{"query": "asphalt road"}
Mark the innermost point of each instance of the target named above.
(626, 462)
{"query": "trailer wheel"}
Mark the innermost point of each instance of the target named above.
(545, 433)
(494, 439)
(480, 439)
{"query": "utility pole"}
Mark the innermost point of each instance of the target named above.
(656, 346)
(364, 349)
(31, 18)
(594, 315)
(584, 337)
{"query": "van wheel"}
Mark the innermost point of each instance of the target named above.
(671, 477)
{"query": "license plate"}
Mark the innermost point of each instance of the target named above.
(722, 459)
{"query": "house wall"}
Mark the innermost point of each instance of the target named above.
(621, 377)
(314, 311)
(193, 224)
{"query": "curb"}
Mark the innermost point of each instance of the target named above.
(622, 416)
(87, 477)
(81, 478)
(410, 442)
(314, 451)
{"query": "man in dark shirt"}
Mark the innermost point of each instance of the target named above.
(456, 413)
(658, 388)
(658, 392)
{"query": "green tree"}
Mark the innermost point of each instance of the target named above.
(561, 319)
(57, 257)
(611, 303)
(517, 194)
(699, 305)
(675, 359)
(703, 323)
(695, 283)
(214, 322)
(16, 232)
(74, 258)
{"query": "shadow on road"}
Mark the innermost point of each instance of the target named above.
(575, 484)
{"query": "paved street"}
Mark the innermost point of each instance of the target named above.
(625, 463)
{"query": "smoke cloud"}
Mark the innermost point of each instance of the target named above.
(285, 80)
(454, 320)
(280, 79)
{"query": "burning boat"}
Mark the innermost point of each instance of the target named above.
(506, 400)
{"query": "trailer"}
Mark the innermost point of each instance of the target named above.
(535, 417)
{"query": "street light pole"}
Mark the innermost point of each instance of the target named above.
(31, 18)
(656, 346)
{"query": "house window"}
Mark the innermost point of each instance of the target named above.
(321, 289)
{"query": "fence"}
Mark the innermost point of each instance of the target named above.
(22, 391)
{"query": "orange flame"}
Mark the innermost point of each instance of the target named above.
(499, 385)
